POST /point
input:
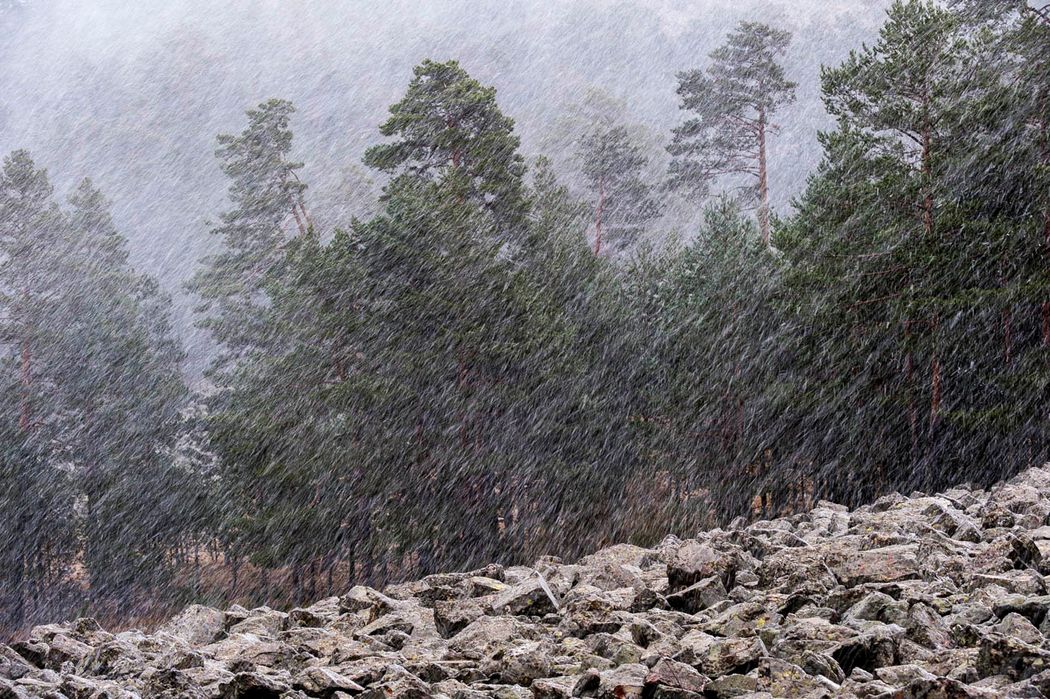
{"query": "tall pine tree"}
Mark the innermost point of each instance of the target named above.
(732, 105)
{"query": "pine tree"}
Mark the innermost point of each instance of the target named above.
(36, 510)
(268, 210)
(733, 103)
(123, 383)
(36, 517)
(901, 91)
(449, 128)
(614, 166)
(33, 229)
(265, 371)
(100, 386)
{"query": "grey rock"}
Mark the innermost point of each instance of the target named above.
(530, 597)
(698, 596)
(196, 625)
(695, 561)
(674, 680)
(1002, 655)
(623, 682)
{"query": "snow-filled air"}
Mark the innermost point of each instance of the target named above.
(393, 349)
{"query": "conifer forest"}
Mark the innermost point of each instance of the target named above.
(299, 295)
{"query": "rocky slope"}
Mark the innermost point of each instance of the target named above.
(926, 596)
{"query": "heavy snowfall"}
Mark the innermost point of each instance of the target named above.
(298, 298)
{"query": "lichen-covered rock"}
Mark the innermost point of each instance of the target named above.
(695, 561)
(670, 679)
(1012, 657)
(880, 565)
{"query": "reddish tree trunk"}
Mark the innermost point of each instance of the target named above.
(929, 229)
(763, 179)
(298, 220)
(598, 217)
(935, 388)
(306, 214)
(1046, 324)
(1045, 136)
(927, 175)
(25, 418)
(909, 377)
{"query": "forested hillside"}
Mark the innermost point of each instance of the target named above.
(496, 360)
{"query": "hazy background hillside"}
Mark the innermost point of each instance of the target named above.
(133, 93)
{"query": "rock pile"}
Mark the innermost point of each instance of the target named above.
(921, 596)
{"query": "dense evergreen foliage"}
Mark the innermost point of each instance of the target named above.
(92, 400)
(473, 375)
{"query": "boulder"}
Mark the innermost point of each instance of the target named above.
(1012, 657)
(196, 625)
(670, 679)
(931, 596)
(698, 596)
(531, 597)
(880, 565)
(695, 561)
(715, 656)
(624, 682)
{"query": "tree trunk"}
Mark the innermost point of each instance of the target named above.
(1046, 324)
(25, 418)
(1008, 335)
(763, 179)
(306, 215)
(1045, 137)
(297, 581)
(312, 588)
(598, 217)
(235, 569)
(298, 220)
(927, 176)
(909, 378)
(935, 388)
(929, 229)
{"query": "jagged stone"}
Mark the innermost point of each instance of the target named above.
(801, 570)
(624, 682)
(397, 683)
(1012, 657)
(715, 656)
(698, 596)
(669, 679)
(316, 615)
(531, 597)
(554, 687)
(196, 625)
(488, 635)
(453, 616)
(365, 599)
(262, 621)
(323, 680)
(880, 565)
(732, 686)
(521, 664)
(12, 665)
